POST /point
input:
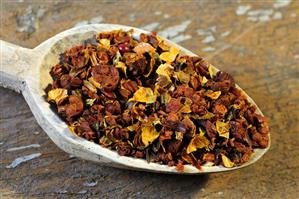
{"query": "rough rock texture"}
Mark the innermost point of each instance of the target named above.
(259, 48)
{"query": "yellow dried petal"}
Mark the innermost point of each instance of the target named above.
(90, 86)
(210, 68)
(213, 95)
(159, 39)
(185, 109)
(204, 117)
(122, 66)
(151, 66)
(174, 50)
(90, 101)
(165, 97)
(182, 77)
(57, 95)
(201, 132)
(148, 134)
(156, 90)
(105, 43)
(143, 48)
(105, 141)
(223, 129)
(94, 83)
(144, 94)
(169, 56)
(94, 59)
(72, 129)
(73, 126)
(226, 161)
(163, 45)
(165, 70)
(197, 142)
(179, 135)
(134, 127)
(204, 80)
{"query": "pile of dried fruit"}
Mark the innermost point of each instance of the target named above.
(144, 99)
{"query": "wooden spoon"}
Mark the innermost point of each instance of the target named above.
(27, 71)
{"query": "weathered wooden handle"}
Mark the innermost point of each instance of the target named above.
(15, 63)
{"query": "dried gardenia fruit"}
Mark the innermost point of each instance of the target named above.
(142, 98)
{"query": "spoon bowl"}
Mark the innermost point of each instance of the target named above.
(27, 71)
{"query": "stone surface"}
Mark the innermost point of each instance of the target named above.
(262, 55)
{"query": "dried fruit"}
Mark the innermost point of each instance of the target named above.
(142, 98)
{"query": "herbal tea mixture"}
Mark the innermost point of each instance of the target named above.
(144, 99)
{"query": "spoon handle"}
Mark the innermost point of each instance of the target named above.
(15, 62)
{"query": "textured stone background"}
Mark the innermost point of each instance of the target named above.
(259, 47)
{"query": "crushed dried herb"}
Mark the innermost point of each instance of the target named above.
(144, 99)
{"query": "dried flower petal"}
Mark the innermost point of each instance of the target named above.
(204, 117)
(179, 135)
(148, 134)
(105, 43)
(182, 77)
(204, 80)
(94, 83)
(143, 48)
(211, 72)
(90, 102)
(57, 95)
(197, 142)
(223, 129)
(213, 95)
(163, 45)
(165, 98)
(171, 55)
(226, 161)
(145, 95)
(134, 127)
(165, 70)
(122, 67)
(105, 141)
(73, 127)
(90, 86)
(185, 109)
